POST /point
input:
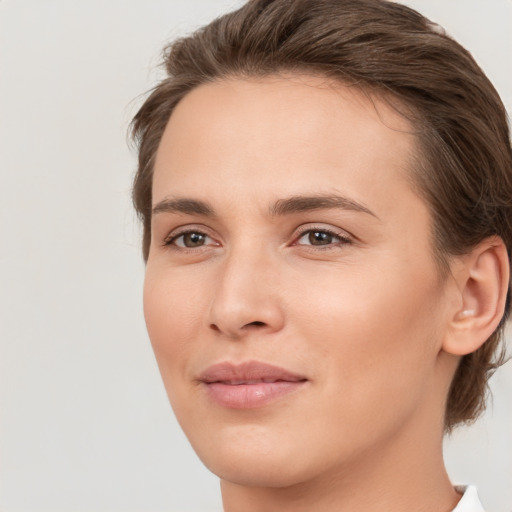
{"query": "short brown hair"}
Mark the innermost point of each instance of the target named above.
(464, 171)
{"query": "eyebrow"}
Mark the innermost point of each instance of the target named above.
(288, 206)
(183, 205)
(297, 204)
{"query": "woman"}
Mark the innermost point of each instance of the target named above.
(325, 189)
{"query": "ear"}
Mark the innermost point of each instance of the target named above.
(482, 278)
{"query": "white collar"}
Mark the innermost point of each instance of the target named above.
(469, 501)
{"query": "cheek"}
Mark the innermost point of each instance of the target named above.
(173, 303)
(375, 338)
(174, 310)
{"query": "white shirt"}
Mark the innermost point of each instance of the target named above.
(469, 501)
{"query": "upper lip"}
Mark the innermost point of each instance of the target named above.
(249, 372)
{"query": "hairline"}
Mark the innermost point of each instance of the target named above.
(418, 158)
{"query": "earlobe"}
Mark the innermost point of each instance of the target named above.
(483, 284)
(466, 313)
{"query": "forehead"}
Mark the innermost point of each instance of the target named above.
(292, 131)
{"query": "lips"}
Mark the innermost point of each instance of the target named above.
(248, 385)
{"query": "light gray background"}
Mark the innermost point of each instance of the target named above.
(84, 421)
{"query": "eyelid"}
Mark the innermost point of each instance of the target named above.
(342, 235)
(168, 241)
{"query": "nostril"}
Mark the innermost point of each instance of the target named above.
(256, 324)
(239, 330)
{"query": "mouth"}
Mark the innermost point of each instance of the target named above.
(248, 385)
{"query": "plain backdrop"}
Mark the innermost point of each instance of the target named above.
(84, 420)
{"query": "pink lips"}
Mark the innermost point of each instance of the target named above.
(248, 385)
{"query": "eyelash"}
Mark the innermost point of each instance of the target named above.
(170, 241)
(342, 239)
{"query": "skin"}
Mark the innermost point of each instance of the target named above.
(363, 315)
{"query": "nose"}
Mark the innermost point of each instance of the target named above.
(246, 297)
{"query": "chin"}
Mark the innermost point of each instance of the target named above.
(256, 456)
(252, 471)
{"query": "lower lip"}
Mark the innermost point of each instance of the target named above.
(249, 396)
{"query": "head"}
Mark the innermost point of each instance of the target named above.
(427, 94)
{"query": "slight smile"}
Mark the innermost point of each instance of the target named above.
(248, 385)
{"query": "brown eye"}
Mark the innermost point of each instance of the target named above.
(320, 238)
(191, 240)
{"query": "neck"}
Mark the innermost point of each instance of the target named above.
(404, 473)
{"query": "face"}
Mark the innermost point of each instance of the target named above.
(291, 295)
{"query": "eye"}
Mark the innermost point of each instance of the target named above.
(321, 238)
(190, 240)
